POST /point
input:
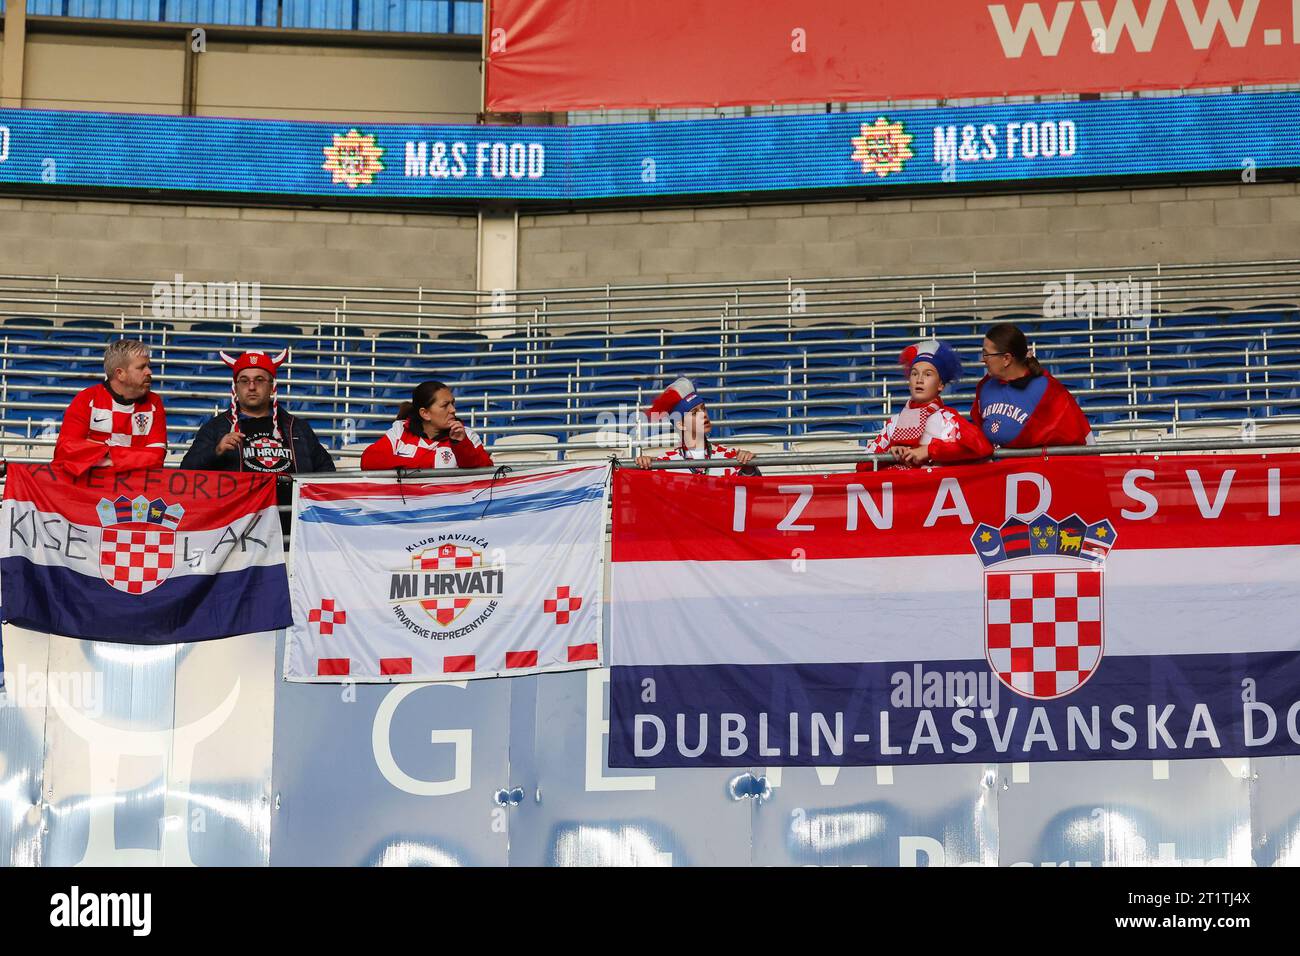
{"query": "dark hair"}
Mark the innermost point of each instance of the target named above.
(422, 396)
(1008, 338)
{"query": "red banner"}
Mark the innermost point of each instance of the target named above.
(555, 55)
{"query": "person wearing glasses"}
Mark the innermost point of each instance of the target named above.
(256, 434)
(1018, 404)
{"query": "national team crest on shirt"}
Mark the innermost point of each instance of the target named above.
(138, 542)
(265, 453)
(1043, 601)
(447, 579)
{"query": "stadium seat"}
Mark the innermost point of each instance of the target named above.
(592, 446)
(505, 449)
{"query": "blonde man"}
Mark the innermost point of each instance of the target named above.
(117, 423)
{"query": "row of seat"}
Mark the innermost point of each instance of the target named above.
(764, 382)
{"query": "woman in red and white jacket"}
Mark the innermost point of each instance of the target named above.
(427, 434)
(926, 430)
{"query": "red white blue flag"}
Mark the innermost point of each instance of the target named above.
(157, 556)
(447, 578)
(1116, 607)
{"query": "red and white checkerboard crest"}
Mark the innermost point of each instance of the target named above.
(1044, 632)
(1043, 628)
(137, 549)
(447, 557)
(136, 558)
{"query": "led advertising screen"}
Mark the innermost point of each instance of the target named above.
(859, 153)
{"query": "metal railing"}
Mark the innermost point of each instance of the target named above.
(341, 360)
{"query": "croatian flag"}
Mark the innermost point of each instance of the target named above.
(155, 556)
(1073, 609)
(447, 578)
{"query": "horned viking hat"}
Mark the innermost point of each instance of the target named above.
(269, 364)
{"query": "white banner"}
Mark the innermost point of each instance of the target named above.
(447, 578)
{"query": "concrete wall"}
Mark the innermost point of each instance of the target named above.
(905, 236)
(281, 81)
(337, 83)
(103, 74)
(310, 247)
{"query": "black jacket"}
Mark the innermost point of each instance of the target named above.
(308, 453)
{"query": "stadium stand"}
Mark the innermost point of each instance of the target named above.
(411, 16)
(786, 365)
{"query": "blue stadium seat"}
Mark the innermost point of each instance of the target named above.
(1182, 324)
(1053, 332)
(1224, 369)
(587, 350)
(832, 427)
(760, 340)
(463, 335)
(49, 373)
(31, 422)
(751, 431)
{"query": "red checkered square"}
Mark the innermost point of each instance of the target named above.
(394, 665)
(562, 605)
(583, 652)
(333, 666)
(326, 618)
(521, 659)
(1089, 583)
(463, 664)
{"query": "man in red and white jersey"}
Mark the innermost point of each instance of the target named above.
(685, 407)
(117, 423)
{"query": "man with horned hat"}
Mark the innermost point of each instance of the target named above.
(256, 434)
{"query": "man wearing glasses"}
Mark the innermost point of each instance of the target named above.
(256, 434)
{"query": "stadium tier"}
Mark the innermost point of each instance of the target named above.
(561, 374)
(409, 16)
